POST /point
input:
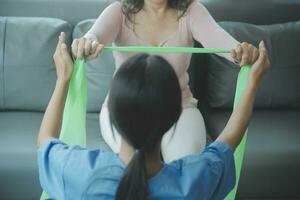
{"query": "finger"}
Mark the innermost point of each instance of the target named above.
(60, 40)
(263, 60)
(262, 50)
(62, 37)
(239, 52)
(94, 47)
(263, 47)
(251, 50)
(64, 51)
(245, 55)
(97, 52)
(233, 54)
(255, 55)
(66, 55)
(80, 50)
(87, 47)
(75, 47)
(99, 49)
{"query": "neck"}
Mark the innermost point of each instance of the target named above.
(126, 152)
(155, 6)
(152, 160)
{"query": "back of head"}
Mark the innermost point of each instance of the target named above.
(144, 103)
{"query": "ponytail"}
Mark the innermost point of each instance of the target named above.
(134, 183)
(141, 111)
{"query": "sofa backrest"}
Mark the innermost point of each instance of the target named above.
(27, 71)
(280, 87)
(250, 11)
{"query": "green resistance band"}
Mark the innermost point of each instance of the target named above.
(73, 131)
(241, 85)
(150, 49)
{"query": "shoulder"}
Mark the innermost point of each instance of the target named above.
(63, 166)
(196, 7)
(116, 5)
(213, 158)
(203, 169)
(52, 147)
(86, 170)
(115, 8)
(113, 13)
(58, 151)
(213, 168)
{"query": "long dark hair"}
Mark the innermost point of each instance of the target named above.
(144, 102)
(131, 7)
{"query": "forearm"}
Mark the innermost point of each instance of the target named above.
(239, 119)
(52, 120)
(208, 32)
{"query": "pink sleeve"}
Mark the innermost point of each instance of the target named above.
(205, 30)
(107, 26)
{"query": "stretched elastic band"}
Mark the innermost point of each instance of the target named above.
(165, 49)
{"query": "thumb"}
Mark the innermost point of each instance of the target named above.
(263, 59)
(64, 51)
(262, 49)
(262, 52)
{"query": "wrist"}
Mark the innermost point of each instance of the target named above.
(253, 83)
(91, 37)
(62, 82)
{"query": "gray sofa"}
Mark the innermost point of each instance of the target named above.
(27, 77)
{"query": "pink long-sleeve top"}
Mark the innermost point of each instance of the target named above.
(111, 27)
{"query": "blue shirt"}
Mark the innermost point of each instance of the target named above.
(72, 172)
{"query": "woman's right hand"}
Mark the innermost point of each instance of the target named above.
(85, 48)
(261, 65)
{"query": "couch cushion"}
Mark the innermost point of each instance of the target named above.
(280, 86)
(18, 165)
(29, 72)
(2, 33)
(99, 71)
(272, 157)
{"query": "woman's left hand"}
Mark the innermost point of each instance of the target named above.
(245, 53)
(63, 60)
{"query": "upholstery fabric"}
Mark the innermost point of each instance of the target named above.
(2, 33)
(280, 86)
(254, 11)
(272, 156)
(30, 75)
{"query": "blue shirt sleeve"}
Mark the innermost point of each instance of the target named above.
(65, 171)
(221, 161)
(82, 168)
(52, 158)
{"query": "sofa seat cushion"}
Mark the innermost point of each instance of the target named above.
(18, 166)
(272, 157)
